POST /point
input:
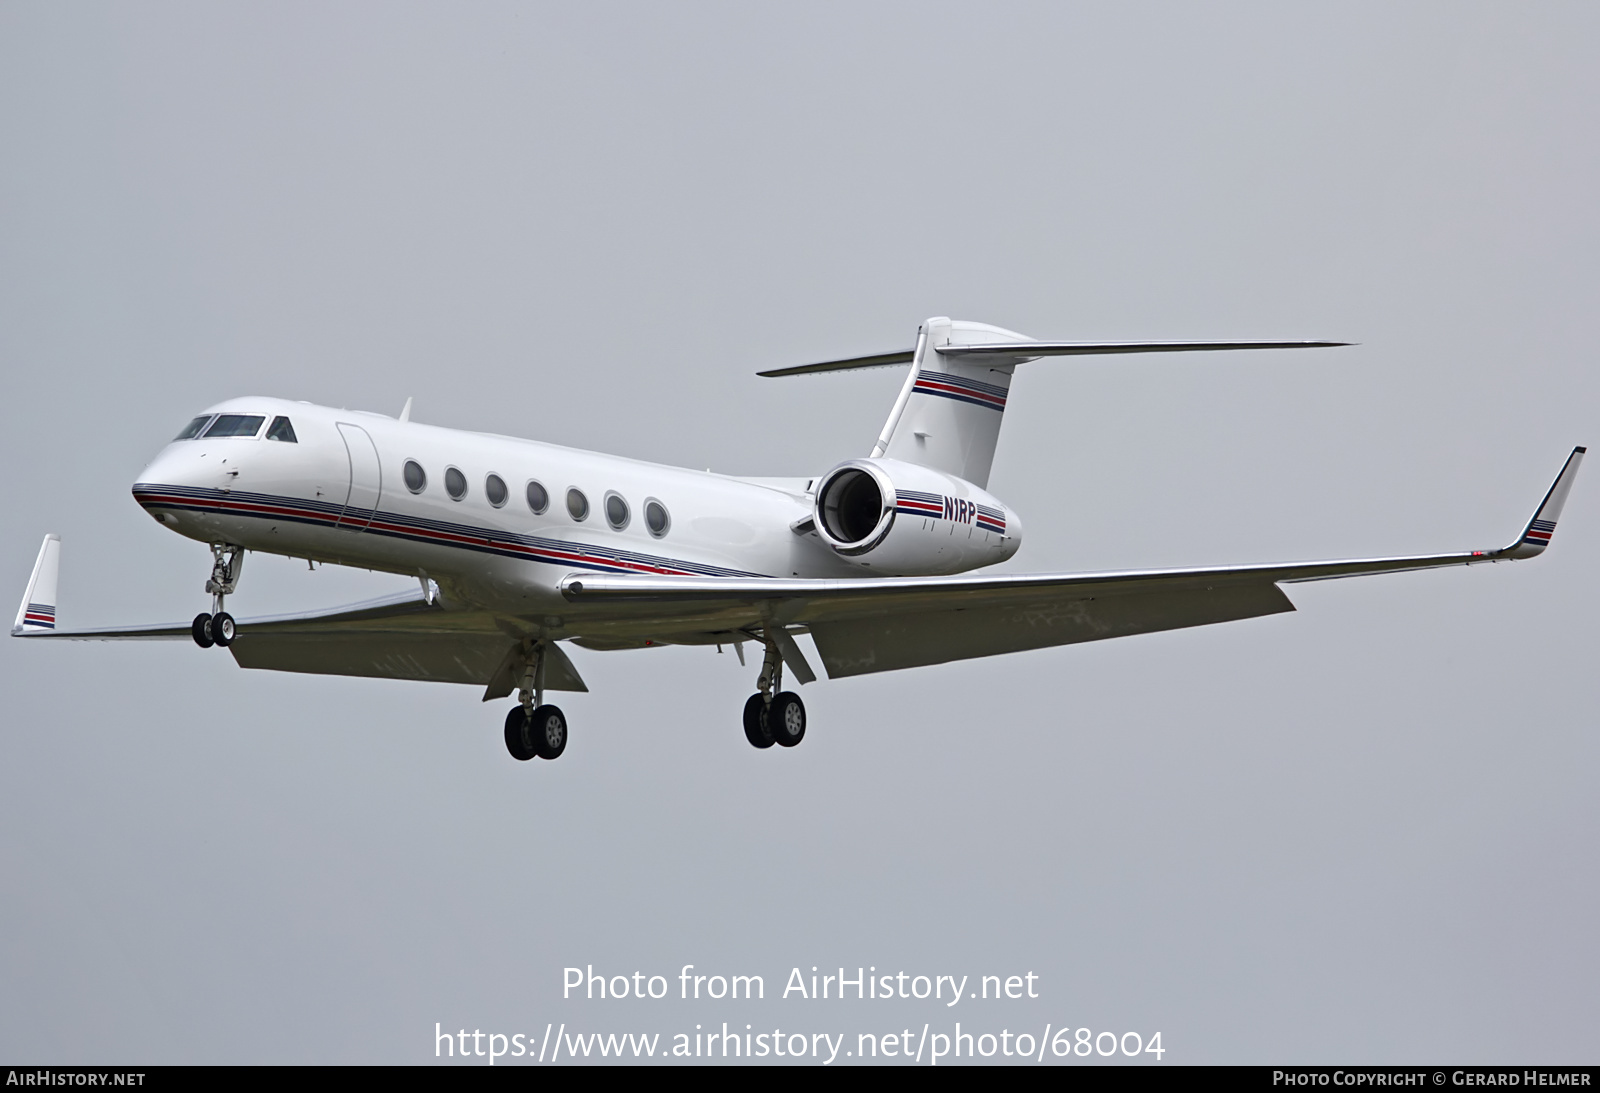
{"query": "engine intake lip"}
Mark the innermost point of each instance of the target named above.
(855, 507)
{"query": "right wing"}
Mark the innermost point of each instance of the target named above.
(883, 623)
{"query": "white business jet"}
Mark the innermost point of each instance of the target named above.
(519, 546)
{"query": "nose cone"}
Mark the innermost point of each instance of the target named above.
(177, 481)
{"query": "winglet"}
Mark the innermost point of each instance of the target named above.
(1536, 536)
(38, 609)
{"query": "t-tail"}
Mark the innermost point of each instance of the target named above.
(949, 411)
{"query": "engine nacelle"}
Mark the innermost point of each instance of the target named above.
(900, 519)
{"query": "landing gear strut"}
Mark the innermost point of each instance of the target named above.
(533, 728)
(217, 627)
(773, 718)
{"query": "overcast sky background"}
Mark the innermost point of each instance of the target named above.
(1361, 832)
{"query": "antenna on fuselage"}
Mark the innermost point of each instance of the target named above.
(405, 413)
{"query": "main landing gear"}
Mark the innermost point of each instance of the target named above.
(773, 718)
(533, 728)
(217, 627)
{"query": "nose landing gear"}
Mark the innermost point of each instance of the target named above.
(218, 628)
(773, 718)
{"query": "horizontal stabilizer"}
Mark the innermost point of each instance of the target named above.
(1030, 350)
(882, 360)
(1021, 351)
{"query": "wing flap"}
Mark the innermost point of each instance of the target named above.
(430, 656)
(891, 642)
(457, 658)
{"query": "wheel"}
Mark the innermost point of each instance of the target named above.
(755, 722)
(222, 629)
(201, 629)
(549, 732)
(787, 718)
(519, 742)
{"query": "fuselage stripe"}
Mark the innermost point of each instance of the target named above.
(507, 544)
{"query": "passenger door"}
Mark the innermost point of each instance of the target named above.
(366, 478)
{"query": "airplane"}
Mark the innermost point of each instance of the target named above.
(519, 546)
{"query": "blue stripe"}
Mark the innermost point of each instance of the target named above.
(962, 381)
(962, 398)
(591, 556)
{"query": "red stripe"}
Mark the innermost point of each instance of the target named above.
(929, 385)
(542, 553)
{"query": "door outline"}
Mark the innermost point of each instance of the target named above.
(366, 476)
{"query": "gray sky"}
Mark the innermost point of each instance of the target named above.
(1363, 831)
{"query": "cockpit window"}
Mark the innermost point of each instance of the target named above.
(280, 429)
(235, 425)
(192, 430)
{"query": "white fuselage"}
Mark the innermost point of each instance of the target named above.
(338, 493)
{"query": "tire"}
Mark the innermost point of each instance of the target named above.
(755, 722)
(201, 630)
(549, 732)
(787, 719)
(518, 742)
(222, 629)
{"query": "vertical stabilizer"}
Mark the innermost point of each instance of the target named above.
(948, 414)
(38, 609)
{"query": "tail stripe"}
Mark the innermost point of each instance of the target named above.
(945, 385)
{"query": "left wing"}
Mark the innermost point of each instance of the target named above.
(406, 635)
(879, 624)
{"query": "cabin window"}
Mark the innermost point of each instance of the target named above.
(656, 518)
(192, 430)
(455, 483)
(577, 504)
(494, 488)
(416, 478)
(280, 429)
(616, 511)
(235, 425)
(538, 498)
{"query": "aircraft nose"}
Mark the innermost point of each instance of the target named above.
(171, 482)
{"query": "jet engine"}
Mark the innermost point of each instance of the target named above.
(900, 519)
